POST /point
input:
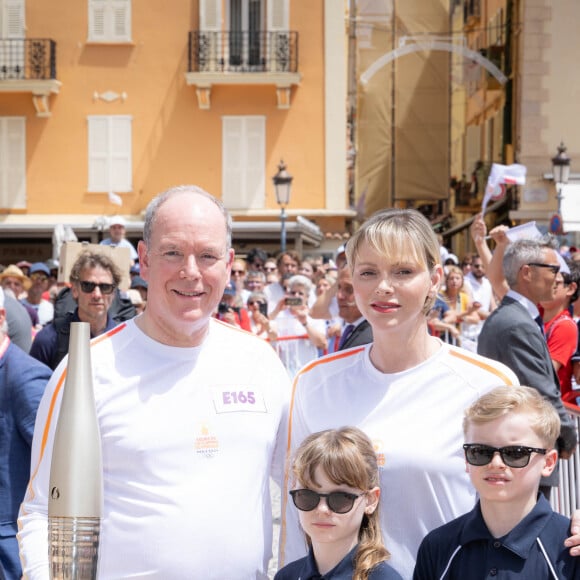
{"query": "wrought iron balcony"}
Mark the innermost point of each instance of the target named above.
(471, 12)
(27, 59)
(243, 52)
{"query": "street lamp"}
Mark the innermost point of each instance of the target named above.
(561, 172)
(282, 184)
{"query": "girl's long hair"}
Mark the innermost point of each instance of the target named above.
(347, 457)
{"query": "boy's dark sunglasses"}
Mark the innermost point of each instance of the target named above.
(88, 287)
(512, 455)
(340, 502)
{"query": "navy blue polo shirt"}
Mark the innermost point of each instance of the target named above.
(306, 569)
(465, 550)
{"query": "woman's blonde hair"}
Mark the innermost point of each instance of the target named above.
(347, 457)
(400, 234)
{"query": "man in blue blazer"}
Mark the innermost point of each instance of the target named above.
(22, 382)
(513, 333)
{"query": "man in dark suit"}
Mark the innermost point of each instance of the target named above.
(513, 333)
(22, 382)
(356, 330)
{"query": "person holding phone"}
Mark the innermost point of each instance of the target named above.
(258, 310)
(296, 335)
(230, 311)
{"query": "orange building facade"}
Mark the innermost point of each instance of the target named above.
(102, 97)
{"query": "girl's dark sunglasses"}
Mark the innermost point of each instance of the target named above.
(340, 502)
(512, 455)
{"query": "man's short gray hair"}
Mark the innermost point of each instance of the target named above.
(522, 252)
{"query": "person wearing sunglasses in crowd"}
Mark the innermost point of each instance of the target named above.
(256, 259)
(336, 492)
(94, 278)
(258, 310)
(238, 279)
(406, 390)
(271, 271)
(39, 277)
(514, 332)
(560, 328)
(512, 532)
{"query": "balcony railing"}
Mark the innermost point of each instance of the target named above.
(471, 10)
(243, 52)
(27, 59)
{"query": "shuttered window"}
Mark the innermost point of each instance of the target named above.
(278, 15)
(12, 18)
(109, 20)
(243, 162)
(12, 33)
(210, 17)
(110, 153)
(278, 26)
(12, 163)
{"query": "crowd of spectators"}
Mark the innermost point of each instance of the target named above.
(304, 307)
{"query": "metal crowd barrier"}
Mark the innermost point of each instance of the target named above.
(566, 498)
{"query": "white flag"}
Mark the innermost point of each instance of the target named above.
(499, 174)
(115, 199)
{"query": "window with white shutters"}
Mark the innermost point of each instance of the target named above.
(210, 16)
(12, 34)
(110, 153)
(109, 20)
(278, 15)
(12, 163)
(279, 40)
(244, 162)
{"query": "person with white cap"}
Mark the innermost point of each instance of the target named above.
(117, 225)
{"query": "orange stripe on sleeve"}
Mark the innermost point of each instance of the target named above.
(50, 413)
(30, 487)
(108, 334)
(489, 368)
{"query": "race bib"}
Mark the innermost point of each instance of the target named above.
(236, 399)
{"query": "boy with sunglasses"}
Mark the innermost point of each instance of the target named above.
(512, 532)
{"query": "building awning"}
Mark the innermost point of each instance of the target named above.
(300, 231)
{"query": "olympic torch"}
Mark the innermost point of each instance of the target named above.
(76, 473)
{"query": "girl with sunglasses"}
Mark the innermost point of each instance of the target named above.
(337, 495)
